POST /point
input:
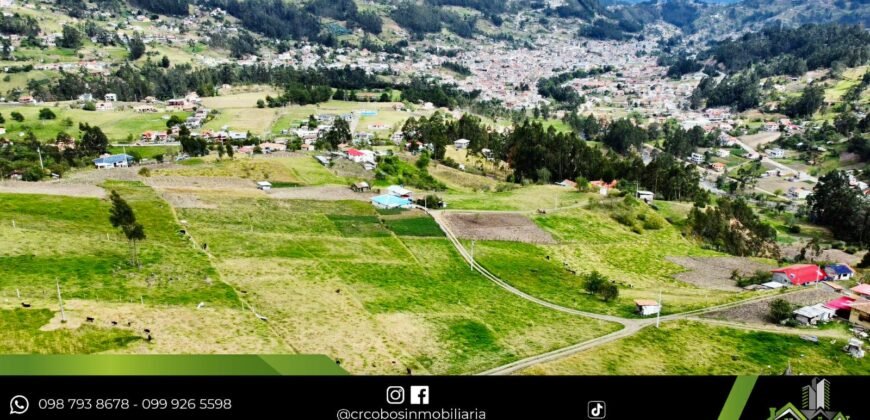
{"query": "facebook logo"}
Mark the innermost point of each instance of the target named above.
(419, 395)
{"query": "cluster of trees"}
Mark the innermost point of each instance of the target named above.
(841, 207)
(811, 100)
(70, 38)
(420, 19)
(733, 227)
(396, 170)
(440, 94)
(682, 143)
(740, 91)
(346, 10)
(338, 134)
(551, 87)
(587, 127)
(457, 68)
(23, 157)
(599, 285)
(544, 155)
(164, 7)
(193, 146)
(440, 131)
(17, 24)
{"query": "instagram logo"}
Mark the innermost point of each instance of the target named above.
(395, 395)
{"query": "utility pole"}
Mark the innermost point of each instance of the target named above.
(60, 302)
(659, 314)
(472, 255)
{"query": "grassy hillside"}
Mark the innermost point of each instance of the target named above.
(381, 298)
(590, 239)
(694, 348)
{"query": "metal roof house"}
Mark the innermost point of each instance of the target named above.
(387, 201)
(113, 161)
(811, 315)
(398, 191)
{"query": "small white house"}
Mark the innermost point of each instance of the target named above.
(264, 185)
(646, 307)
(111, 97)
(645, 196)
(776, 153)
(696, 158)
(461, 144)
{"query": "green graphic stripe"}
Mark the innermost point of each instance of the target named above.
(738, 398)
(163, 365)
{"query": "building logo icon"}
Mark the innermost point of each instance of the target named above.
(815, 405)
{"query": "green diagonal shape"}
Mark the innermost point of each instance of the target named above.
(738, 397)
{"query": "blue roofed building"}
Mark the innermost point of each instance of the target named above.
(113, 161)
(390, 202)
(839, 272)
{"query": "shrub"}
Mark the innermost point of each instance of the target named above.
(865, 261)
(145, 172)
(780, 310)
(46, 114)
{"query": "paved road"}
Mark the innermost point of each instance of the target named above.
(630, 326)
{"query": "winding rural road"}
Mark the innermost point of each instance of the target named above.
(630, 326)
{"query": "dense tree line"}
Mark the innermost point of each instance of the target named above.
(841, 207)
(164, 7)
(346, 10)
(817, 45)
(604, 29)
(133, 83)
(733, 227)
(272, 18)
(422, 19)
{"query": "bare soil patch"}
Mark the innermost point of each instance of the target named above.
(200, 182)
(325, 193)
(832, 255)
(181, 200)
(497, 227)
(52, 188)
(756, 312)
(755, 140)
(715, 272)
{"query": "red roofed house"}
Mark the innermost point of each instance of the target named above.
(798, 274)
(355, 155)
(862, 290)
(842, 305)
